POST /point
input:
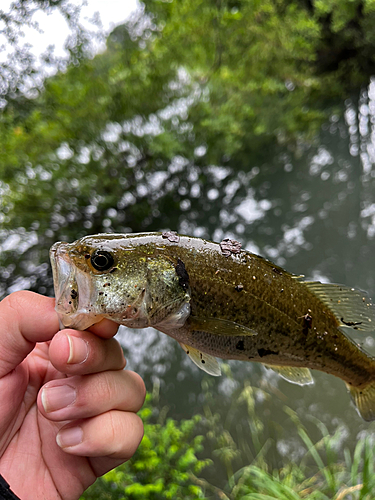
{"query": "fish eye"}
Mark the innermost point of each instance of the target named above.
(101, 260)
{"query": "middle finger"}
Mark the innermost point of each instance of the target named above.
(86, 396)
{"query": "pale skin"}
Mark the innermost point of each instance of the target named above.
(67, 407)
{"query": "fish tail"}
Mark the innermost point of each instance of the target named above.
(364, 400)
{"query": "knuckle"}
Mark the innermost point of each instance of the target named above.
(139, 387)
(122, 433)
(128, 435)
(12, 310)
(105, 388)
(14, 301)
(137, 433)
(139, 428)
(118, 359)
(112, 430)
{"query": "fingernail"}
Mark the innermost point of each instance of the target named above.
(78, 350)
(55, 398)
(69, 437)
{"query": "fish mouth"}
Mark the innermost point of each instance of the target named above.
(72, 290)
(63, 278)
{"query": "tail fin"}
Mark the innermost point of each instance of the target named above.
(364, 400)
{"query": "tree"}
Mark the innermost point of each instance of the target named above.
(131, 140)
(18, 71)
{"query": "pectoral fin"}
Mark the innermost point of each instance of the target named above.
(204, 361)
(219, 326)
(364, 400)
(300, 376)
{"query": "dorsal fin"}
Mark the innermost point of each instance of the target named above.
(351, 307)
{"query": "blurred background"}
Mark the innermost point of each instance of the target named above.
(245, 119)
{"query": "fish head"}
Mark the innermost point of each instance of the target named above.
(99, 277)
(93, 280)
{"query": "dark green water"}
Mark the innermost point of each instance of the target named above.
(312, 213)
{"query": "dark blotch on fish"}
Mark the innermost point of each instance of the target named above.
(183, 276)
(74, 294)
(240, 345)
(266, 352)
(239, 288)
(171, 236)
(351, 323)
(307, 323)
(229, 247)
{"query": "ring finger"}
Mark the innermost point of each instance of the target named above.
(113, 434)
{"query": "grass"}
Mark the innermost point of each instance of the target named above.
(174, 462)
(324, 472)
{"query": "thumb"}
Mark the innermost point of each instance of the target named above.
(25, 318)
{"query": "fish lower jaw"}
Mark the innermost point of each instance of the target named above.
(79, 321)
(134, 322)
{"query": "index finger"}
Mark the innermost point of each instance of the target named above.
(105, 328)
(25, 319)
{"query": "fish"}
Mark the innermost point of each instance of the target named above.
(218, 301)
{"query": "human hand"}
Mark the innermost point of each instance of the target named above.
(67, 407)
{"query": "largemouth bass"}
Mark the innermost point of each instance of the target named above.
(218, 300)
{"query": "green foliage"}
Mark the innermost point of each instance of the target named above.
(163, 467)
(118, 142)
(166, 465)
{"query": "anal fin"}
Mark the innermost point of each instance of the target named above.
(204, 361)
(295, 375)
(364, 400)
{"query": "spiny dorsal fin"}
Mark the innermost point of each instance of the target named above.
(364, 400)
(204, 361)
(351, 307)
(300, 376)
